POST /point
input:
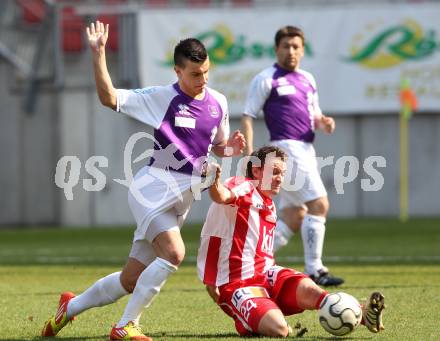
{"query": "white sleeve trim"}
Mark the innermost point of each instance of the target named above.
(148, 105)
(311, 79)
(258, 92)
(223, 131)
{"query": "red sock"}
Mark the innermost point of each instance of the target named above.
(318, 302)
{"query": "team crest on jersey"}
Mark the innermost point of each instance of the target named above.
(184, 110)
(213, 111)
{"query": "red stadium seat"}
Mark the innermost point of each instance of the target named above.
(113, 38)
(32, 11)
(112, 20)
(72, 30)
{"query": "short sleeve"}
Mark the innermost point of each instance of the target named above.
(223, 129)
(316, 107)
(259, 91)
(315, 100)
(241, 187)
(148, 105)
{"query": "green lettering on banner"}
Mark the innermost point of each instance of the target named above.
(225, 49)
(395, 45)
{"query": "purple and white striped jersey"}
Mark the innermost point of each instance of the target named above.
(185, 128)
(289, 101)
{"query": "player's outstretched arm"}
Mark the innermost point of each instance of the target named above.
(218, 192)
(97, 34)
(234, 146)
(248, 132)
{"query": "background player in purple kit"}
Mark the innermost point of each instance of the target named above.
(189, 120)
(289, 99)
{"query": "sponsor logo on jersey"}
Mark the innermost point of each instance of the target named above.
(185, 122)
(286, 90)
(147, 91)
(268, 239)
(184, 110)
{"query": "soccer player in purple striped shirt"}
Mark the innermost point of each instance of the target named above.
(288, 97)
(189, 120)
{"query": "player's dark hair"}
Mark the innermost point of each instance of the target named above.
(189, 49)
(261, 155)
(288, 31)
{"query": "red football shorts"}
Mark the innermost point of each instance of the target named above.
(249, 300)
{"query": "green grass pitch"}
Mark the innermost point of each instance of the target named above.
(401, 260)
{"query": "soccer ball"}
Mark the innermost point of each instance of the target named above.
(340, 313)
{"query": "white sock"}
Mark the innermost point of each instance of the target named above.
(105, 291)
(282, 235)
(312, 233)
(147, 287)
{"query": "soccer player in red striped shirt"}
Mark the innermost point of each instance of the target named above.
(235, 258)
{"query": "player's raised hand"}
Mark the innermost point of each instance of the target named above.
(97, 34)
(236, 142)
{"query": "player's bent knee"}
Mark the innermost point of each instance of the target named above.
(128, 282)
(308, 293)
(297, 219)
(276, 330)
(130, 274)
(175, 256)
(280, 331)
(325, 205)
(293, 217)
(319, 206)
(273, 324)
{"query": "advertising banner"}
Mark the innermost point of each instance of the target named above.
(358, 54)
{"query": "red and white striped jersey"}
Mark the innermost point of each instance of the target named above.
(237, 239)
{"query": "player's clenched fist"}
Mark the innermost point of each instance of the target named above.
(236, 143)
(97, 34)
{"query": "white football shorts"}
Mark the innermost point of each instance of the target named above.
(159, 200)
(302, 182)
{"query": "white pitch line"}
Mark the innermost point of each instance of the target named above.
(360, 259)
(52, 259)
